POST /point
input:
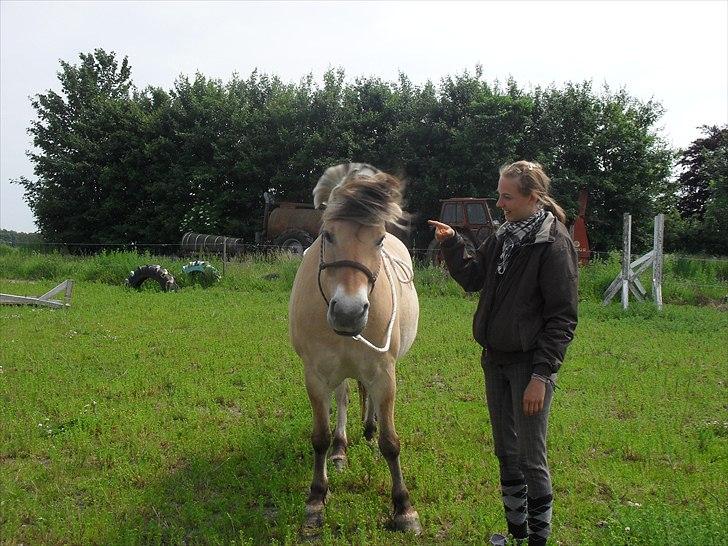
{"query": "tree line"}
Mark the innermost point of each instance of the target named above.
(116, 164)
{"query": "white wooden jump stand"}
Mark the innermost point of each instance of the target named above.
(45, 300)
(627, 279)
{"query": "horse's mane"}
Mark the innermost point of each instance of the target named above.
(333, 176)
(361, 193)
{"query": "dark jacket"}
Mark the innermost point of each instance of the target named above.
(529, 312)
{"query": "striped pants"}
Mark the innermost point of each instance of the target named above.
(520, 445)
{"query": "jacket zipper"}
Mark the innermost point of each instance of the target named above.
(506, 280)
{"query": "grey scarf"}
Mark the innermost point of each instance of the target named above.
(513, 234)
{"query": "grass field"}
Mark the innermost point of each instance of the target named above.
(153, 418)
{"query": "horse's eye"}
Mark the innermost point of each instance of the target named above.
(380, 242)
(328, 237)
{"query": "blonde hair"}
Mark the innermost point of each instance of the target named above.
(532, 179)
(366, 199)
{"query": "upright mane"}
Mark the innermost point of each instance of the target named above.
(366, 199)
(334, 176)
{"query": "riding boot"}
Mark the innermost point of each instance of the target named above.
(539, 519)
(515, 505)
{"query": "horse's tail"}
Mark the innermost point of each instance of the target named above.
(333, 176)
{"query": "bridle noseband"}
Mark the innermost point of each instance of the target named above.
(371, 277)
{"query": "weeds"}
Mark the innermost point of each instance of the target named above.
(686, 280)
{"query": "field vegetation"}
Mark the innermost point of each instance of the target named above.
(142, 417)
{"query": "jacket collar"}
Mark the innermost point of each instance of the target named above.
(545, 234)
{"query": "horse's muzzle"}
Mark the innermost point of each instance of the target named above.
(348, 316)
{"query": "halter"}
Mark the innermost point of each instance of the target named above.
(372, 279)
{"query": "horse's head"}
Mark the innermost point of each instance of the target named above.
(352, 237)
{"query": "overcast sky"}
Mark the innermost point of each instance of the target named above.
(675, 52)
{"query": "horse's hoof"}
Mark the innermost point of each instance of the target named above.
(369, 433)
(339, 462)
(310, 533)
(408, 523)
(314, 521)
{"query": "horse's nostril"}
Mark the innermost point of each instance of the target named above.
(364, 308)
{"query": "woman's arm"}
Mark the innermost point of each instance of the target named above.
(559, 282)
(467, 270)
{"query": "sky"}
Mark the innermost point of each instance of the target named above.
(672, 51)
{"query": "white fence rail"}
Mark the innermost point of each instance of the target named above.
(628, 278)
(45, 300)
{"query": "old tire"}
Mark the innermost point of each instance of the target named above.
(201, 272)
(154, 272)
(294, 241)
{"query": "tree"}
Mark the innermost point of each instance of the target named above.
(117, 165)
(19, 238)
(86, 141)
(606, 144)
(703, 195)
(701, 165)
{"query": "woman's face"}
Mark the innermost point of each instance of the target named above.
(515, 205)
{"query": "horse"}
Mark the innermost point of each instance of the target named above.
(347, 320)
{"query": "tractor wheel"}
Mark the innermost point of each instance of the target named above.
(294, 241)
(202, 273)
(155, 272)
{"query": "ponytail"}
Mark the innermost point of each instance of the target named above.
(552, 206)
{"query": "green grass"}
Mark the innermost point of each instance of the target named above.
(144, 417)
(692, 281)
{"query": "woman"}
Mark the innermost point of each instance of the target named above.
(527, 275)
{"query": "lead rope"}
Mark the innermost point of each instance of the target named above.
(409, 276)
(408, 273)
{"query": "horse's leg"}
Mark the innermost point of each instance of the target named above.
(338, 455)
(368, 415)
(383, 394)
(319, 395)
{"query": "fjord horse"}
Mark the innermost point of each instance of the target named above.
(353, 313)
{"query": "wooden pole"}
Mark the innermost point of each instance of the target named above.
(69, 291)
(626, 256)
(224, 254)
(657, 265)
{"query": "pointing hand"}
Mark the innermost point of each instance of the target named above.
(442, 231)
